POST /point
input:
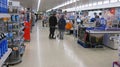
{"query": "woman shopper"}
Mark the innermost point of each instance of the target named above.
(61, 26)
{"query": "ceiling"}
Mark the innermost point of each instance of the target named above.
(44, 5)
(48, 4)
(28, 3)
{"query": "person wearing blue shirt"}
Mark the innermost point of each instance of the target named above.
(61, 26)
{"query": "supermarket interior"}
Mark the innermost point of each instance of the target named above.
(59, 33)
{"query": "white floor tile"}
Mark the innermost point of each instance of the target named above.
(42, 52)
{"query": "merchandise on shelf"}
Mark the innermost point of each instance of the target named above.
(15, 38)
(3, 44)
(15, 18)
(3, 6)
(13, 7)
(3, 39)
(15, 33)
(4, 17)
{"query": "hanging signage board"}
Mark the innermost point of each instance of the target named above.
(14, 3)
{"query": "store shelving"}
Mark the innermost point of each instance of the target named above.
(4, 15)
(4, 50)
(5, 56)
(16, 41)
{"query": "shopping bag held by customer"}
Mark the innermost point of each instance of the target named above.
(68, 26)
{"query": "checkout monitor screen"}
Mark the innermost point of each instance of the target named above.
(78, 20)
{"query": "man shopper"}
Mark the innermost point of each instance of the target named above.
(52, 25)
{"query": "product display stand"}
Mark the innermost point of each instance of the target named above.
(4, 50)
(15, 33)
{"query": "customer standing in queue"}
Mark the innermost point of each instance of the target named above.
(61, 26)
(52, 25)
(97, 20)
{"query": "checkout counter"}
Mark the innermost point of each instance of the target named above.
(91, 37)
(107, 37)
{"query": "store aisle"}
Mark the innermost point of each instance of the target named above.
(42, 52)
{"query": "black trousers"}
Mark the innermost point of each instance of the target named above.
(52, 31)
(43, 22)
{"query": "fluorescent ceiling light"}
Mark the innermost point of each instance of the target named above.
(113, 1)
(83, 6)
(106, 2)
(66, 3)
(79, 6)
(39, 1)
(94, 4)
(90, 5)
(86, 5)
(70, 1)
(100, 3)
(48, 10)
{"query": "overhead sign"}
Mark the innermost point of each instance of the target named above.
(14, 3)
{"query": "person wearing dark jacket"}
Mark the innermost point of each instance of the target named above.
(61, 27)
(52, 24)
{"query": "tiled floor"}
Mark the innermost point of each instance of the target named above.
(42, 52)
